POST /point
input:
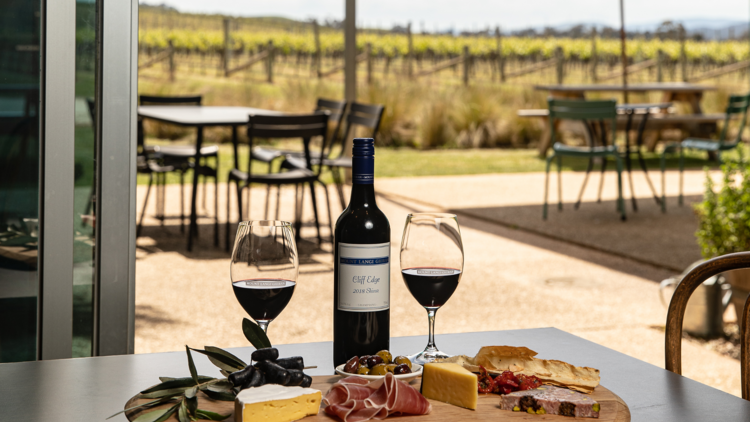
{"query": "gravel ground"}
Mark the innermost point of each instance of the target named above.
(513, 278)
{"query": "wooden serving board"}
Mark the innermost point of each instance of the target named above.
(613, 409)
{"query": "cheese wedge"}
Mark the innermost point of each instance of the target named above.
(450, 383)
(276, 403)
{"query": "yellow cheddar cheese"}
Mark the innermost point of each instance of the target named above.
(450, 383)
(276, 403)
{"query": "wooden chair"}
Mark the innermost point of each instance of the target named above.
(588, 112)
(281, 127)
(737, 106)
(676, 313)
(181, 157)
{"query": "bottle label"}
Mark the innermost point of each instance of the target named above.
(363, 170)
(364, 277)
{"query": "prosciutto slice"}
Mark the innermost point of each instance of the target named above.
(354, 399)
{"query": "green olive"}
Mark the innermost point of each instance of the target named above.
(386, 356)
(378, 369)
(363, 370)
(390, 367)
(402, 360)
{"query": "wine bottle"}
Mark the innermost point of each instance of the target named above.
(362, 268)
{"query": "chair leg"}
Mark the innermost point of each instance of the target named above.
(682, 167)
(629, 168)
(328, 207)
(239, 202)
(268, 193)
(620, 198)
(278, 201)
(315, 211)
(601, 180)
(145, 202)
(297, 211)
(182, 202)
(546, 186)
(216, 205)
(585, 180)
(336, 172)
(559, 183)
(229, 218)
(663, 181)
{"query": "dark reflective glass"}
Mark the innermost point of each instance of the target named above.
(84, 265)
(19, 177)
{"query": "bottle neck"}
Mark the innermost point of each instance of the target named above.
(363, 192)
(362, 196)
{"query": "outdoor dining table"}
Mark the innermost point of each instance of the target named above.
(91, 389)
(201, 117)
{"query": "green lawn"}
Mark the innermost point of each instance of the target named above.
(405, 162)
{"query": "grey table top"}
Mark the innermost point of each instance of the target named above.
(191, 115)
(91, 389)
(663, 86)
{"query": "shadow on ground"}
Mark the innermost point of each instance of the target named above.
(170, 238)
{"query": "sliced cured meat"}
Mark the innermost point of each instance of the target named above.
(552, 400)
(352, 401)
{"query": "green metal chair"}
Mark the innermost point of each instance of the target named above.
(588, 112)
(738, 104)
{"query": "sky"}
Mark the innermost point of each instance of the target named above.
(478, 14)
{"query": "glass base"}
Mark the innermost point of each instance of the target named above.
(429, 355)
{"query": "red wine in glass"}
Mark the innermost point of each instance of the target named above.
(264, 299)
(431, 286)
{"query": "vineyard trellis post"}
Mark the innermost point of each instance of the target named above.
(227, 47)
(660, 59)
(350, 51)
(171, 61)
(467, 65)
(318, 53)
(269, 62)
(410, 58)
(500, 58)
(368, 53)
(594, 57)
(683, 55)
(560, 60)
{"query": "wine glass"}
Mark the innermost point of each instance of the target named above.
(432, 260)
(264, 268)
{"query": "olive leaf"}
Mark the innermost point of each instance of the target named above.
(164, 393)
(177, 383)
(222, 359)
(182, 414)
(159, 415)
(191, 365)
(226, 373)
(164, 379)
(192, 404)
(255, 334)
(221, 386)
(191, 392)
(211, 416)
(222, 396)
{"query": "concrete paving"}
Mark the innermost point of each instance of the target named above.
(514, 277)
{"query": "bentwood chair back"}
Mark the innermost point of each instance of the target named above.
(676, 313)
(281, 127)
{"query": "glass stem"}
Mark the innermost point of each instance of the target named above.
(431, 321)
(263, 326)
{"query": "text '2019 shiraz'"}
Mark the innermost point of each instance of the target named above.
(362, 253)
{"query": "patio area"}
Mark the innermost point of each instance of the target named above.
(583, 271)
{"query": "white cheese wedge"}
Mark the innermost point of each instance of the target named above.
(276, 403)
(450, 383)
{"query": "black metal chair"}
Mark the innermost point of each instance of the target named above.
(363, 115)
(268, 155)
(144, 165)
(281, 127)
(181, 157)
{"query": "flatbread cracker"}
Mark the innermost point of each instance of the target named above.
(521, 360)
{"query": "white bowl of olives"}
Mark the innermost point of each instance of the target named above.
(373, 367)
